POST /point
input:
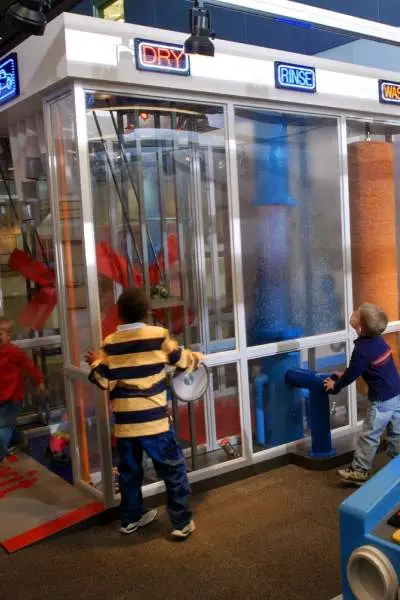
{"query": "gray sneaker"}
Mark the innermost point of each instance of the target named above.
(350, 475)
(182, 534)
(147, 518)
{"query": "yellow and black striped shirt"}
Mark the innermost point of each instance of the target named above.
(132, 367)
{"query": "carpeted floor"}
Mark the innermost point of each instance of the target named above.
(270, 537)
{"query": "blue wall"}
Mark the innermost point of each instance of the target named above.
(237, 25)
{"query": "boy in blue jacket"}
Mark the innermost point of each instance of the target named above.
(372, 360)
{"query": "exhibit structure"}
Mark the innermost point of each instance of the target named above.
(253, 195)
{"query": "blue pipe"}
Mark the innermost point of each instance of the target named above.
(320, 419)
(259, 388)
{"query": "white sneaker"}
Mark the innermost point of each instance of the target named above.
(185, 532)
(147, 518)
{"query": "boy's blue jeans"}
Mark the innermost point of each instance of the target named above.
(8, 417)
(380, 415)
(169, 464)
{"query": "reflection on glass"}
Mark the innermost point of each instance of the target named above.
(161, 213)
(89, 448)
(280, 413)
(70, 215)
(27, 281)
(289, 184)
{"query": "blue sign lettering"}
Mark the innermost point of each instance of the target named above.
(9, 82)
(295, 77)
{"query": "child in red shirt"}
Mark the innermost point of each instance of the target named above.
(14, 366)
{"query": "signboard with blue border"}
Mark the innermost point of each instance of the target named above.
(161, 57)
(389, 92)
(9, 80)
(295, 77)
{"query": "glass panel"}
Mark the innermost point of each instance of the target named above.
(27, 282)
(291, 225)
(161, 213)
(328, 359)
(71, 228)
(50, 408)
(85, 397)
(227, 409)
(280, 412)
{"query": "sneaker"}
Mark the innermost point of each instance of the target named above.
(184, 533)
(147, 518)
(350, 475)
(11, 450)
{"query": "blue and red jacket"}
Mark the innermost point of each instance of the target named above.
(372, 360)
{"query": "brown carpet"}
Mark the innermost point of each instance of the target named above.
(270, 537)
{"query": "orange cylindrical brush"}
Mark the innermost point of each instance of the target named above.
(373, 228)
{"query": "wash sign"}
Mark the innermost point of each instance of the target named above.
(389, 92)
(161, 57)
(295, 77)
(9, 82)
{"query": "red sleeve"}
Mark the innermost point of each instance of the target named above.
(29, 367)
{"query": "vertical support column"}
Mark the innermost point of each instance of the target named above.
(238, 288)
(102, 412)
(201, 274)
(141, 207)
(181, 234)
(125, 199)
(346, 246)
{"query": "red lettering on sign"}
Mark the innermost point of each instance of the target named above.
(178, 55)
(164, 56)
(149, 55)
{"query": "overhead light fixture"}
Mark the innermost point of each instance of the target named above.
(27, 16)
(199, 41)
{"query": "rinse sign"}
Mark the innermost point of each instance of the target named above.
(9, 82)
(161, 57)
(389, 92)
(295, 77)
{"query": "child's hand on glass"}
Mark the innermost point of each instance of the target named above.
(329, 384)
(91, 356)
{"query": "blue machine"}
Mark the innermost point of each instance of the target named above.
(319, 410)
(370, 559)
(278, 409)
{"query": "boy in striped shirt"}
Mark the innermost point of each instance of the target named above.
(131, 365)
(372, 360)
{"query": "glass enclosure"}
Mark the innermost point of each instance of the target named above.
(242, 227)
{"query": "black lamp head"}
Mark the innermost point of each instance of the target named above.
(199, 41)
(27, 17)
